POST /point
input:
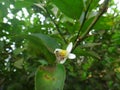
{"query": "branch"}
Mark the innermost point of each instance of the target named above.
(103, 9)
(57, 27)
(84, 19)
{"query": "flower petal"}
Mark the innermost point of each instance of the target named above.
(63, 61)
(57, 50)
(69, 47)
(71, 56)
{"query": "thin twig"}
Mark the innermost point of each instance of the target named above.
(102, 10)
(57, 27)
(84, 19)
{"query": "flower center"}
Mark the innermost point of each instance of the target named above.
(63, 53)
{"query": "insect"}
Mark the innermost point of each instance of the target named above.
(62, 55)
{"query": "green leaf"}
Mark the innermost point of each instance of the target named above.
(71, 27)
(118, 75)
(19, 64)
(71, 8)
(40, 45)
(21, 4)
(104, 23)
(38, 38)
(43, 62)
(93, 5)
(1, 45)
(83, 75)
(3, 11)
(50, 78)
(81, 52)
(18, 51)
(1, 1)
(50, 43)
(15, 86)
(91, 44)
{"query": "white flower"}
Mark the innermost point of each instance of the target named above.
(62, 55)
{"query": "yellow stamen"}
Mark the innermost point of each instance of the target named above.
(63, 53)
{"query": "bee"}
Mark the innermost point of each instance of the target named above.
(62, 55)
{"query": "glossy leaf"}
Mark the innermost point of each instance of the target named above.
(50, 78)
